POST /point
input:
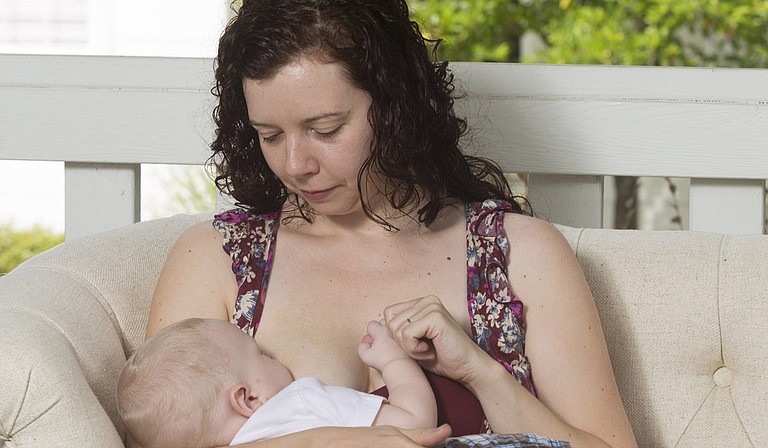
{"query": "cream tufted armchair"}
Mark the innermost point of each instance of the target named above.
(684, 313)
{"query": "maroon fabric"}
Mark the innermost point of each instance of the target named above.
(456, 405)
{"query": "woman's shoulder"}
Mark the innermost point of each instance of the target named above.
(196, 279)
(200, 244)
(541, 262)
(531, 226)
(534, 237)
(199, 235)
(490, 212)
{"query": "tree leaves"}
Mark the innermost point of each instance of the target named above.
(17, 246)
(732, 33)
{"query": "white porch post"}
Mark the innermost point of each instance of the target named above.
(100, 197)
(735, 206)
(575, 201)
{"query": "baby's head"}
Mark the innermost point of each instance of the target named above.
(197, 380)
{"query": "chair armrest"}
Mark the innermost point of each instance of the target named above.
(69, 318)
(58, 356)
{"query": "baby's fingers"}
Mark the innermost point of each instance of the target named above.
(376, 329)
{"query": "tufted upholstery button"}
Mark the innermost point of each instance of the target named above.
(723, 376)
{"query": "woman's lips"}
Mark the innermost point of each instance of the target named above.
(317, 195)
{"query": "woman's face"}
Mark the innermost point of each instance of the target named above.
(314, 132)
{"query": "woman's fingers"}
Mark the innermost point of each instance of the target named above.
(429, 334)
(411, 323)
(401, 312)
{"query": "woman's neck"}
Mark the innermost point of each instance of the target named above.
(359, 224)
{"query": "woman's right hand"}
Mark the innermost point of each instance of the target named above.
(362, 437)
(429, 334)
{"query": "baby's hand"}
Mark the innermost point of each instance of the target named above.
(377, 348)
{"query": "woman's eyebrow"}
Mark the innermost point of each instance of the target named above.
(324, 115)
(306, 120)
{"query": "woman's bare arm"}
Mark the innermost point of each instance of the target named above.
(579, 400)
(578, 397)
(196, 280)
(373, 437)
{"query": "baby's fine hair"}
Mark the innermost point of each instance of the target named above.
(416, 134)
(170, 393)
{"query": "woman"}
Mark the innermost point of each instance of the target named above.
(336, 132)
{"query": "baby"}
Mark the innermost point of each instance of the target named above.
(204, 383)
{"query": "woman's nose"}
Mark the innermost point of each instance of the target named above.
(300, 160)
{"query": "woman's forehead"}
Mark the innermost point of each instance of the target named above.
(306, 73)
(301, 90)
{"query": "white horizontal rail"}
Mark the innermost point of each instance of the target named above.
(610, 120)
(105, 109)
(559, 123)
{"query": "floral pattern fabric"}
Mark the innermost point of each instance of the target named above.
(495, 312)
(250, 241)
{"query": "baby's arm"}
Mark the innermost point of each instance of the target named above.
(411, 402)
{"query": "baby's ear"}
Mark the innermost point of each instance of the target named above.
(242, 401)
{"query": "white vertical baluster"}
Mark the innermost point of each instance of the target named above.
(735, 206)
(575, 201)
(100, 197)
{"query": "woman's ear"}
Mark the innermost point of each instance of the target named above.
(242, 400)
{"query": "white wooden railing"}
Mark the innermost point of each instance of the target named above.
(567, 126)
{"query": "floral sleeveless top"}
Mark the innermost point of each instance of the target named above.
(495, 312)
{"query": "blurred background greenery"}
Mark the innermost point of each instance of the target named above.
(725, 33)
(18, 245)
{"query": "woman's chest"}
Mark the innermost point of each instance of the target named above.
(319, 302)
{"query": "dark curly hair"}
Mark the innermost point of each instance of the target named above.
(415, 131)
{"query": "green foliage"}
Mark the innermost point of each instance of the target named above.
(17, 246)
(730, 33)
(471, 30)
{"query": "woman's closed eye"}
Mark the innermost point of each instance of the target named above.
(269, 139)
(266, 137)
(327, 134)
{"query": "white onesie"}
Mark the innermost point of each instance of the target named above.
(309, 403)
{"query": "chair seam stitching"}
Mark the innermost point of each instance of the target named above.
(738, 417)
(718, 297)
(720, 265)
(695, 414)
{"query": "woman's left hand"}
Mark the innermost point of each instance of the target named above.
(429, 334)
